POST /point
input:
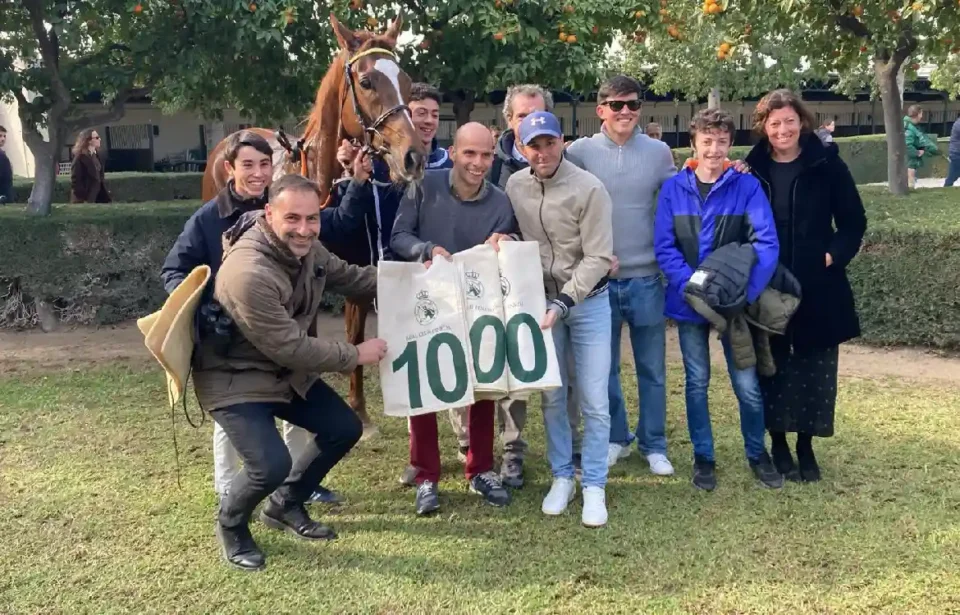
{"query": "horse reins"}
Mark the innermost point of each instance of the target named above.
(371, 130)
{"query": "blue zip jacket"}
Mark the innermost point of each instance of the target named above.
(687, 230)
(380, 201)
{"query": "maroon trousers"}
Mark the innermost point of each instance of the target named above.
(425, 444)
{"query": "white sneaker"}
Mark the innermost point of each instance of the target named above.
(659, 464)
(616, 452)
(594, 507)
(561, 494)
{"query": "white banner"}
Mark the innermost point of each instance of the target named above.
(464, 330)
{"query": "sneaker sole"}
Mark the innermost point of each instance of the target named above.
(223, 555)
(474, 491)
(592, 526)
(655, 473)
(283, 527)
(429, 511)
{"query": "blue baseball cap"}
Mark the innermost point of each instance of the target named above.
(537, 124)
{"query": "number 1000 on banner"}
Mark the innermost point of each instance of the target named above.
(506, 354)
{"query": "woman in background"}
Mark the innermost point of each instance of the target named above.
(87, 182)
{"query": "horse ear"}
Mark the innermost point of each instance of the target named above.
(396, 26)
(345, 36)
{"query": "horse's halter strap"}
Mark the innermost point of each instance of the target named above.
(370, 130)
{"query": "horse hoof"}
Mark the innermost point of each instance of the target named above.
(370, 432)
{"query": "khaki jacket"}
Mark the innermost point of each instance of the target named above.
(273, 298)
(569, 215)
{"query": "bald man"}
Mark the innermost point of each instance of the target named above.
(450, 211)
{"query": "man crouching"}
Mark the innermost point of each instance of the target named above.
(270, 284)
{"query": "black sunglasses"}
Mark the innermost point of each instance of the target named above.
(618, 105)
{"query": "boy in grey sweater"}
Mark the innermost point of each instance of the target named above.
(632, 167)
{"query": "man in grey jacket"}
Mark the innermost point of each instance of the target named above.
(632, 167)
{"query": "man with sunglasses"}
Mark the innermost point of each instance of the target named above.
(632, 167)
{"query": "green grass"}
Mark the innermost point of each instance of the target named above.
(929, 209)
(93, 521)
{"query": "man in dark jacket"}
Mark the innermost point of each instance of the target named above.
(953, 174)
(271, 282)
(521, 101)
(249, 161)
(6, 171)
(704, 207)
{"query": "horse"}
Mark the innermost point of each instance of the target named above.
(361, 98)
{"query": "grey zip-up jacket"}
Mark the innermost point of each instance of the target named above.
(568, 214)
(632, 174)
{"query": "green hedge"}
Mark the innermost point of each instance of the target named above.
(127, 187)
(865, 155)
(99, 264)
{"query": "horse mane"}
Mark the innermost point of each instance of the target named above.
(322, 131)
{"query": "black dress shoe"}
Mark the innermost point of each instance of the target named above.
(783, 460)
(295, 520)
(809, 469)
(239, 549)
(765, 472)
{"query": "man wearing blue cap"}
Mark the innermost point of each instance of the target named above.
(568, 212)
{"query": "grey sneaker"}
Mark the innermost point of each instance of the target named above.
(511, 473)
(409, 477)
(489, 486)
(428, 499)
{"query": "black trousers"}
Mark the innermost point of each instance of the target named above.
(267, 466)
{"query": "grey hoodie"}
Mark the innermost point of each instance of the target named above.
(632, 175)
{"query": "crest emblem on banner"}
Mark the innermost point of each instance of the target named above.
(426, 310)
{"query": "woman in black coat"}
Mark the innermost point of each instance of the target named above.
(820, 225)
(87, 180)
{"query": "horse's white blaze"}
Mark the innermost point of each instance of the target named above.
(391, 71)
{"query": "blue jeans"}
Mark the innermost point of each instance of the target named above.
(953, 173)
(695, 347)
(585, 333)
(639, 303)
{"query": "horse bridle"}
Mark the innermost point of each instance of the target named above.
(370, 130)
(298, 152)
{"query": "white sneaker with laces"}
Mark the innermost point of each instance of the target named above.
(594, 507)
(659, 464)
(561, 493)
(616, 452)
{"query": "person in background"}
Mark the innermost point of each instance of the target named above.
(953, 173)
(820, 226)
(704, 207)
(449, 212)
(633, 167)
(919, 146)
(568, 212)
(825, 132)
(6, 171)
(654, 131)
(87, 180)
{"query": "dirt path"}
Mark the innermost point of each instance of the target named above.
(78, 348)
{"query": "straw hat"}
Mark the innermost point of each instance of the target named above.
(168, 333)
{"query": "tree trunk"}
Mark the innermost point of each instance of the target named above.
(886, 73)
(713, 100)
(463, 103)
(45, 170)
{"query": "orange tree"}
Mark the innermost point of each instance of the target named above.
(263, 57)
(470, 47)
(860, 43)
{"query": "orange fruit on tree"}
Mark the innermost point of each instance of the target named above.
(725, 47)
(571, 39)
(563, 36)
(863, 49)
(498, 4)
(917, 6)
(714, 9)
(498, 36)
(252, 7)
(663, 3)
(673, 32)
(138, 9)
(356, 5)
(721, 55)
(595, 29)
(664, 12)
(640, 14)
(857, 11)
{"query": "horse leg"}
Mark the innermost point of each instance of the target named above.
(355, 316)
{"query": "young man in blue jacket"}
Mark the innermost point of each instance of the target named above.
(704, 207)
(249, 161)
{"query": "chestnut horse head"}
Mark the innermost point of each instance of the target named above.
(362, 97)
